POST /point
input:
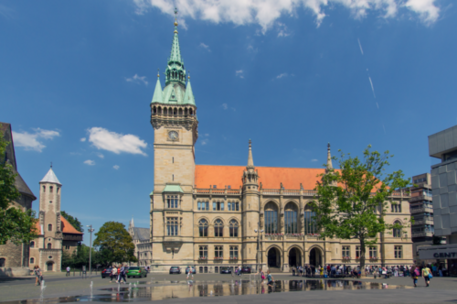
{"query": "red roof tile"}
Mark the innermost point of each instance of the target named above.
(67, 227)
(270, 177)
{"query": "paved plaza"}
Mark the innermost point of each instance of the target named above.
(173, 288)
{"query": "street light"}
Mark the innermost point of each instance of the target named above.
(90, 247)
(258, 231)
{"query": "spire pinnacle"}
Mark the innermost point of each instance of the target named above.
(250, 159)
(158, 96)
(175, 71)
(329, 158)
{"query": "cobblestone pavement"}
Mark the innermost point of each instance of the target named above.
(441, 290)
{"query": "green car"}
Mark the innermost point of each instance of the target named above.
(136, 272)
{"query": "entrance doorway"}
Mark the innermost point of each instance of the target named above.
(294, 257)
(315, 257)
(49, 266)
(273, 258)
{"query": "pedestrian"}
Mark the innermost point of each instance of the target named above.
(321, 271)
(190, 273)
(293, 270)
(68, 271)
(37, 273)
(262, 275)
(415, 275)
(122, 274)
(270, 279)
(113, 273)
(426, 273)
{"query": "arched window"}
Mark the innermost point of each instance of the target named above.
(32, 260)
(49, 227)
(2, 262)
(49, 246)
(271, 218)
(397, 231)
(32, 244)
(310, 222)
(233, 228)
(203, 227)
(218, 228)
(290, 221)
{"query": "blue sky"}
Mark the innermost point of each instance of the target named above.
(77, 77)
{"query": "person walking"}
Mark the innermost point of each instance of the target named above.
(262, 275)
(426, 273)
(122, 274)
(113, 274)
(68, 271)
(37, 273)
(415, 275)
(270, 279)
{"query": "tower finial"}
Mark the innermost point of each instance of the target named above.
(329, 158)
(51, 164)
(158, 73)
(250, 158)
(176, 20)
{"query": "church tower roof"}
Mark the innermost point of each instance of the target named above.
(157, 97)
(189, 96)
(50, 177)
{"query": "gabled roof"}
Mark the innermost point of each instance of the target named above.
(270, 177)
(141, 234)
(50, 177)
(67, 227)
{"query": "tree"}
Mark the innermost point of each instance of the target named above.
(115, 244)
(351, 202)
(73, 221)
(16, 225)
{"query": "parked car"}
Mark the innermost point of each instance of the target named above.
(136, 272)
(193, 270)
(245, 269)
(226, 270)
(106, 272)
(175, 269)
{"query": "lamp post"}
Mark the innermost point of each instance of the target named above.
(90, 247)
(258, 231)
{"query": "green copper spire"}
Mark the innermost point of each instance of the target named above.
(157, 97)
(175, 71)
(189, 96)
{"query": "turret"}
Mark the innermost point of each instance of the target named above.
(250, 175)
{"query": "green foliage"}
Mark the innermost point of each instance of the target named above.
(16, 225)
(73, 221)
(115, 244)
(351, 202)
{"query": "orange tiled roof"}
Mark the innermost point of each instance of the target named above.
(67, 227)
(270, 177)
(38, 228)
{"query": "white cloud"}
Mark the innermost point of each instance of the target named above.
(282, 30)
(116, 167)
(204, 139)
(314, 160)
(224, 106)
(266, 12)
(33, 141)
(137, 79)
(239, 73)
(89, 162)
(83, 139)
(206, 47)
(104, 139)
(101, 155)
(282, 75)
(372, 88)
(426, 9)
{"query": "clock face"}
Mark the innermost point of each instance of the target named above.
(173, 135)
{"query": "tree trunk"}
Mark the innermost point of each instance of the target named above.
(362, 254)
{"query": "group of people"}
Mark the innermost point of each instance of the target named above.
(118, 274)
(38, 275)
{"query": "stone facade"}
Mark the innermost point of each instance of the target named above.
(15, 256)
(222, 216)
(141, 240)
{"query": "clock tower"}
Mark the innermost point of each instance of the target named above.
(174, 119)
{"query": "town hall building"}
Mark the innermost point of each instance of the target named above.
(215, 216)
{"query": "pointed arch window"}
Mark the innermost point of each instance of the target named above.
(271, 218)
(233, 228)
(49, 246)
(32, 244)
(291, 220)
(310, 222)
(203, 227)
(396, 231)
(218, 228)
